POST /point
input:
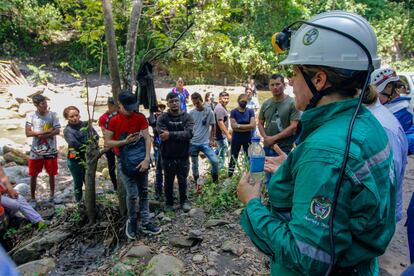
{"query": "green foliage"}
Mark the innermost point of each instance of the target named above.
(107, 200)
(38, 75)
(404, 65)
(75, 216)
(26, 25)
(9, 233)
(59, 211)
(217, 198)
(230, 38)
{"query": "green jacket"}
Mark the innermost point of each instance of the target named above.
(294, 229)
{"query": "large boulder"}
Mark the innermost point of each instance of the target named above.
(14, 155)
(9, 143)
(35, 247)
(8, 103)
(6, 114)
(21, 93)
(25, 108)
(164, 265)
(139, 251)
(38, 267)
(17, 174)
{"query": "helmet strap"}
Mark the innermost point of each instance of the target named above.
(317, 95)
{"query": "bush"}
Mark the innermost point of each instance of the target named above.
(217, 198)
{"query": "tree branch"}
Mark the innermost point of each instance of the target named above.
(173, 45)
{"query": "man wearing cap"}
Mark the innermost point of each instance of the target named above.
(103, 124)
(43, 125)
(124, 131)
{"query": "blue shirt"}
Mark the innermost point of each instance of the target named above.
(399, 145)
(242, 118)
(183, 97)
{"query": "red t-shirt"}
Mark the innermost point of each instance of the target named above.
(122, 126)
(102, 119)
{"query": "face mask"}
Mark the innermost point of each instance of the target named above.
(242, 104)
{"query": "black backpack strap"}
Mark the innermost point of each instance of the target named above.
(109, 118)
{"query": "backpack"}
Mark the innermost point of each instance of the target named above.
(131, 155)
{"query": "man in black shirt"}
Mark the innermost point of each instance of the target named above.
(176, 130)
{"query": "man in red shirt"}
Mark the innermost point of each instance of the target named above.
(110, 155)
(126, 129)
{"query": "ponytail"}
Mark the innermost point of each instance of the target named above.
(371, 95)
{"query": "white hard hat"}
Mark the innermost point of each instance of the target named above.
(316, 46)
(383, 76)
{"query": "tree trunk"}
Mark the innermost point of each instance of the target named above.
(111, 46)
(131, 44)
(92, 156)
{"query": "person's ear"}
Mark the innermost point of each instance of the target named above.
(320, 80)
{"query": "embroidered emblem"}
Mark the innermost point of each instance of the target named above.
(310, 36)
(320, 207)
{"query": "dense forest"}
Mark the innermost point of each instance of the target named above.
(225, 38)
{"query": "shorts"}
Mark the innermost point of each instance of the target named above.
(36, 166)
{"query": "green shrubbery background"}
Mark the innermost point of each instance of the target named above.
(230, 38)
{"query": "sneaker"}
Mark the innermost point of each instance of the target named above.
(186, 207)
(131, 229)
(151, 229)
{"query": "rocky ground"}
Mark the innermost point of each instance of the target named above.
(191, 243)
(196, 243)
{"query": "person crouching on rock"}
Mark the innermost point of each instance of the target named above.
(12, 202)
(77, 136)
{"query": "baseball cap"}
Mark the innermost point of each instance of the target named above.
(128, 101)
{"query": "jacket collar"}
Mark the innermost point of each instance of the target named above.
(313, 118)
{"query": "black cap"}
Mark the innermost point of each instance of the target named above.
(128, 101)
(111, 100)
(37, 99)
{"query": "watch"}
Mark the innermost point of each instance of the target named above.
(238, 126)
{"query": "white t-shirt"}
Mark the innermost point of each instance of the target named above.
(46, 147)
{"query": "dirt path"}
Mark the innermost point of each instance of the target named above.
(397, 258)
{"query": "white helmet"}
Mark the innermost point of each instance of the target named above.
(316, 46)
(381, 77)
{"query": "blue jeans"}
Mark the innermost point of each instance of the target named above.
(222, 147)
(211, 155)
(136, 186)
(268, 152)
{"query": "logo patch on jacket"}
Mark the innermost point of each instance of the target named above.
(320, 207)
